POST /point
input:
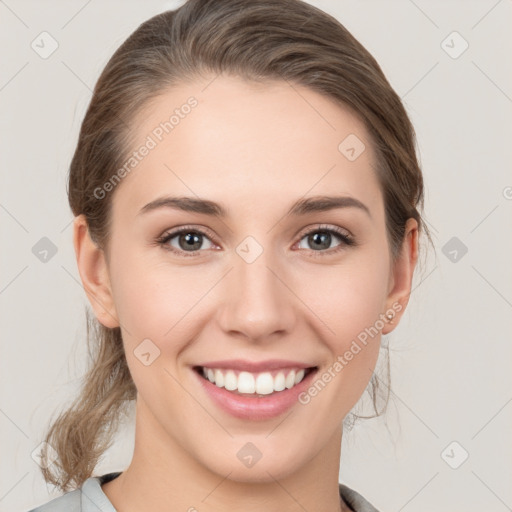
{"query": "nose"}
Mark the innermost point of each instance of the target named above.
(258, 301)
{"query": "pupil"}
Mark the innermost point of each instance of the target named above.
(319, 237)
(192, 241)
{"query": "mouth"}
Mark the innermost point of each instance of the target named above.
(255, 384)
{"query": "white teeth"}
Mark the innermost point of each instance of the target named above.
(246, 383)
(299, 376)
(262, 383)
(279, 382)
(290, 379)
(231, 381)
(219, 378)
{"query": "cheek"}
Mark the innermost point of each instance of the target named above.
(158, 300)
(142, 300)
(348, 301)
(348, 298)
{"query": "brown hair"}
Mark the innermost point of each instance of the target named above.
(260, 40)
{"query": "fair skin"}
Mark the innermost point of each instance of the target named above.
(254, 149)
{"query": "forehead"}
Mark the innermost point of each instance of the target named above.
(247, 144)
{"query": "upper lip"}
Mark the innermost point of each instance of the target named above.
(255, 367)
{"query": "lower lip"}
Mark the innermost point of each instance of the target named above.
(257, 407)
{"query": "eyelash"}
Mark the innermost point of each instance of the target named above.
(347, 240)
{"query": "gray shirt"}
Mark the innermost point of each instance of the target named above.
(91, 498)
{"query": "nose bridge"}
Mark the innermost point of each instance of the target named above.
(258, 303)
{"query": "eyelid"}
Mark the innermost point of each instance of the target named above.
(347, 239)
(324, 227)
(169, 234)
(186, 227)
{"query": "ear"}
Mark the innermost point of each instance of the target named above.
(93, 271)
(400, 281)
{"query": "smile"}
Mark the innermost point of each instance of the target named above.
(249, 383)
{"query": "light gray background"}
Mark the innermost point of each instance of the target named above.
(451, 356)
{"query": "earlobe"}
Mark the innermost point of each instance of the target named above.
(93, 271)
(401, 278)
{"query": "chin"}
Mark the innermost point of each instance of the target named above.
(257, 462)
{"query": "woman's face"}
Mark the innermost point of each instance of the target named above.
(276, 281)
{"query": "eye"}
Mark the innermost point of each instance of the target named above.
(188, 241)
(321, 237)
(185, 240)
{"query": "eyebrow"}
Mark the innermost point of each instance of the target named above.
(300, 207)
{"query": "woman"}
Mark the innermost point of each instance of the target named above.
(247, 209)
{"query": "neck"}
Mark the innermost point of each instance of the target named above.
(163, 472)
